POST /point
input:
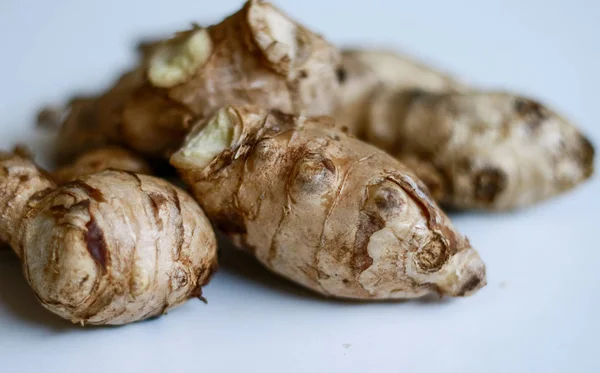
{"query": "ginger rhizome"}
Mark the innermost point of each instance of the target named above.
(108, 248)
(365, 72)
(256, 56)
(473, 149)
(323, 209)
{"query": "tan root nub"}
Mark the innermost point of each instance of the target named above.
(324, 209)
(100, 160)
(21, 183)
(108, 248)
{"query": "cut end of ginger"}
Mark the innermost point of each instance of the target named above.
(202, 146)
(178, 60)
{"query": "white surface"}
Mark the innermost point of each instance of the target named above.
(539, 312)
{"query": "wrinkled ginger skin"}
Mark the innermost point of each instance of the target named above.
(21, 184)
(325, 210)
(493, 151)
(256, 56)
(102, 159)
(108, 248)
(96, 122)
(364, 72)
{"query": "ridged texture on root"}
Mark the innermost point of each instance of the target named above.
(109, 248)
(363, 73)
(493, 150)
(328, 211)
(256, 56)
(473, 149)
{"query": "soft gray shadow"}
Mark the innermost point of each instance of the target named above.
(245, 267)
(16, 296)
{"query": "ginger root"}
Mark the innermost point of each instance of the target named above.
(256, 56)
(102, 159)
(473, 149)
(108, 248)
(95, 122)
(365, 72)
(323, 209)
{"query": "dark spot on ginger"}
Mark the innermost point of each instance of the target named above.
(533, 112)
(470, 285)
(329, 165)
(231, 222)
(156, 201)
(84, 280)
(322, 275)
(368, 224)
(92, 192)
(489, 184)
(341, 74)
(58, 211)
(96, 244)
(586, 154)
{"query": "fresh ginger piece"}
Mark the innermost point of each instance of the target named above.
(102, 159)
(473, 149)
(324, 209)
(256, 56)
(109, 248)
(365, 72)
(494, 150)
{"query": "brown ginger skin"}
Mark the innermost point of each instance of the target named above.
(323, 209)
(473, 149)
(95, 122)
(256, 56)
(493, 151)
(363, 73)
(108, 248)
(102, 159)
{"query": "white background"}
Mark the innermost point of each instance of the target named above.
(540, 311)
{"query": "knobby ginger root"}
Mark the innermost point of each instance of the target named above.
(365, 72)
(108, 248)
(473, 149)
(102, 159)
(95, 122)
(492, 150)
(256, 56)
(323, 209)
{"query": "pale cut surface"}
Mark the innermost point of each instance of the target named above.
(256, 56)
(216, 136)
(327, 211)
(491, 150)
(109, 248)
(176, 61)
